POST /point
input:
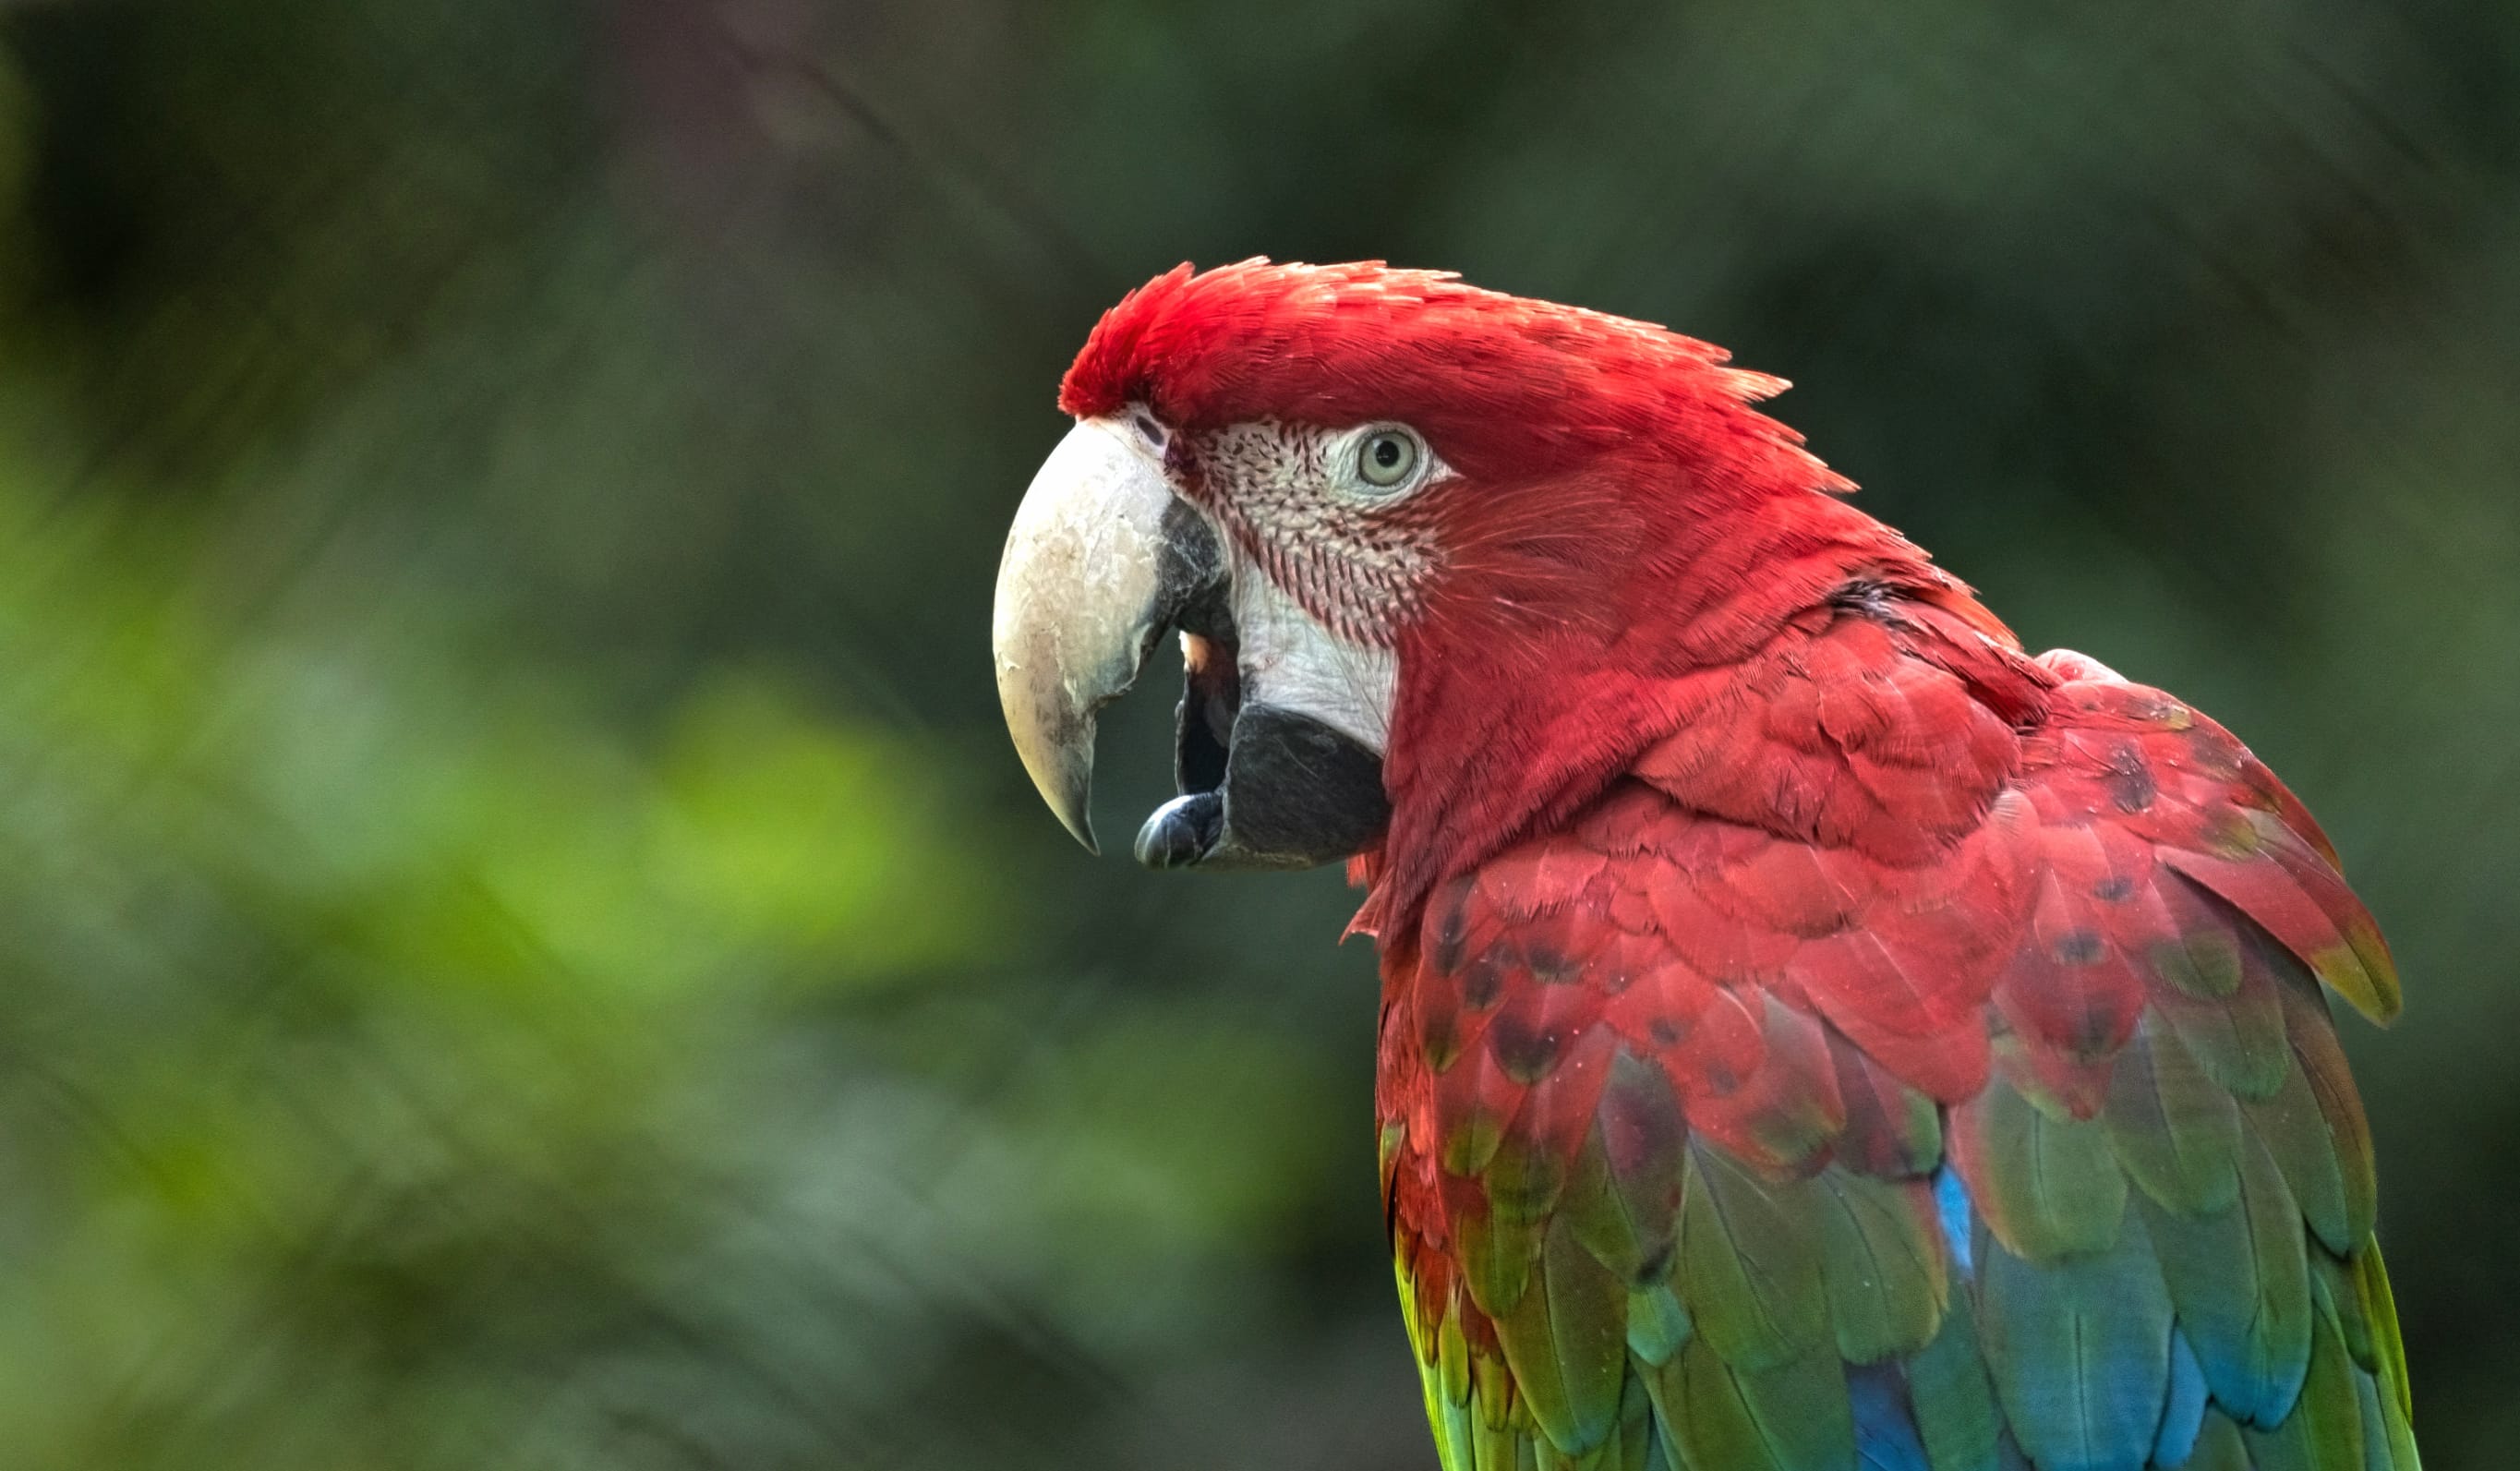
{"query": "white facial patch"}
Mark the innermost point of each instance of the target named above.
(1294, 661)
(1326, 564)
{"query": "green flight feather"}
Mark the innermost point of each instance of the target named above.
(1749, 1268)
(1523, 1179)
(1470, 1141)
(2339, 1290)
(1451, 1357)
(2296, 1134)
(1601, 1218)
(1499, 1447)
(2239, 1042)
(1918, 1122)
(1791, 1416)
(1633, 1444)
(1445, 1374)
(1566, 1341)
(2376, 1452)
(1657, 1324)
(2234, 1024)
(1492, 1390)
(2381, 1304)
(2079, 1349)
(2219, 1446)
(1882, 1263)
(2324, 1431)
(2399, 1428)
(1456, 1435)
(2048, 1186)
(2176, 1131)
(1496, 1253)
(2379, 968)
(2319, 1142)
(2204, 964)
(2331, 1085)
(2241, 1280)
(1626, 1209)
(2357, 1293)
(1954, 1404)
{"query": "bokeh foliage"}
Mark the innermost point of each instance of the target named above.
(522, 945)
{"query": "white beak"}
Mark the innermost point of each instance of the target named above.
(1101, 559)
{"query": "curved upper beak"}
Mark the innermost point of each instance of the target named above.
(1100, 563)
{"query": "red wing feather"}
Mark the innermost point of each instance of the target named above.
(1860, 928)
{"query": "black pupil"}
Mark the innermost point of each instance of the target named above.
(1387, 453)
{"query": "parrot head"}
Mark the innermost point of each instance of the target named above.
(1433, 553)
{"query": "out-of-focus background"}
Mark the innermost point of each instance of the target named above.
(522, 944)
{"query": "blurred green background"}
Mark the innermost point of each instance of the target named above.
(522, 944)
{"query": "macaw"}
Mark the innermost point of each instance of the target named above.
(1816, 1035)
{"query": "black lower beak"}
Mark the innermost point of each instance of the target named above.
(1262, 786)
(1183, 830)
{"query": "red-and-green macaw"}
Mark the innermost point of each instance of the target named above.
(1816, 1034)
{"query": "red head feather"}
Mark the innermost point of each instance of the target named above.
(1625, 525)
(1515, 385)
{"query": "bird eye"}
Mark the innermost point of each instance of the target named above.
(1387, 457)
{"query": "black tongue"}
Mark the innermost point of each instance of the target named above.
(1297, 792)
(1182, 830)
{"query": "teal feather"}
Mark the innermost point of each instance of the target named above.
(2047, 1185)
(2079, 1350)
(2324, 1431)
(2184, 1417)
(2239, 1279)
(1657, 1324)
